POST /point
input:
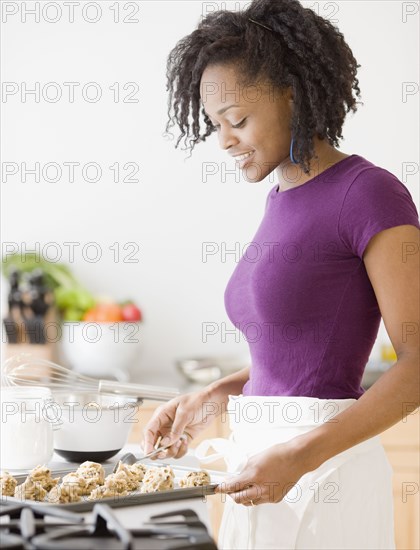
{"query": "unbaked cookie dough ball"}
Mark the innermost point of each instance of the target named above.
(132, 478)
(138, 470)
(30, 490)
(158, 479)
(7, 484)
(64, 493)
(195, 479)
(42, 474)
(82, 486)
(118, 482)
(37, 484)
(93, 473)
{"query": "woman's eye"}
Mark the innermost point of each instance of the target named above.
(239, 125)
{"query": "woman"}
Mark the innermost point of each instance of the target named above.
(340, 248)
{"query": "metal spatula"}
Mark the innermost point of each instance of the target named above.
(131, 459)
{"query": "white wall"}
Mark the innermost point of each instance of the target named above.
(171, 211)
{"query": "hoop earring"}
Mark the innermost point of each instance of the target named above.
(291, 152)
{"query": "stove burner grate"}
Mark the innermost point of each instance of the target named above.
(28, 528)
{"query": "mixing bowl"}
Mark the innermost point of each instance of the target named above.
(94, 426)
(102, 350)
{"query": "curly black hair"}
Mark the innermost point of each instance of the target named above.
(300, 49)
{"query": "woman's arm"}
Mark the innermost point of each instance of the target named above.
(219, 391)
(190, 414)
(392, 263)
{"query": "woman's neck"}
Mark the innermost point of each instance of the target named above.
(291, 175)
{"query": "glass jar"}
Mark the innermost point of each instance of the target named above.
(27, 421)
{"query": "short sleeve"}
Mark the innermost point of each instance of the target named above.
(376, 200)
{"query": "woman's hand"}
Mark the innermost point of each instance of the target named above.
(267, 476)
(185, 414)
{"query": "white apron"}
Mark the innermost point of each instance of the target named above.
(346, 503)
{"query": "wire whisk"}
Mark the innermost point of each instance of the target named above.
(26, 370)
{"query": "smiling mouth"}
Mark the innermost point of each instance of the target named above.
(242, 160)
(244, 156)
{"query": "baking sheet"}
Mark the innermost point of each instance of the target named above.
(135, 498)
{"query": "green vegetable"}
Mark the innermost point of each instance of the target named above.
(70, 297)
(73, 297)
(72, 314)
(55, 274)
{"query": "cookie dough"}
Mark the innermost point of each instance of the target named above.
(93, 473)
(30, 490)
(7, 484)
(158, 479)
(118, 482)
(138, 470)
(133, 477)
(82, 486)
(42, 474)
(64, 493)
(195, 479)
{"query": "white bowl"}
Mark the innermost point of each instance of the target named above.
(101, 349)
(94, 426)
(205, 370)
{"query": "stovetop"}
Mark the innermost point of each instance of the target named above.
(51, 528)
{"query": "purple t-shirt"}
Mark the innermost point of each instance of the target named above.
(301, 295)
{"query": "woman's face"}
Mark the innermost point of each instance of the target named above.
(257, 123)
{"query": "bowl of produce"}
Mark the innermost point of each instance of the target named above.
(105, 342)
(98, 336)
(93, 426)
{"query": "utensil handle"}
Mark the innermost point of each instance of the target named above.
(137, 390)
(159, 450)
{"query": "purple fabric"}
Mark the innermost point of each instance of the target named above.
(301, 295)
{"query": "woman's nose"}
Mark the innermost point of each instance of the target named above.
(227, 138)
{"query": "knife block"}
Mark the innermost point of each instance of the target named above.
(41, 351)
(48, 351)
